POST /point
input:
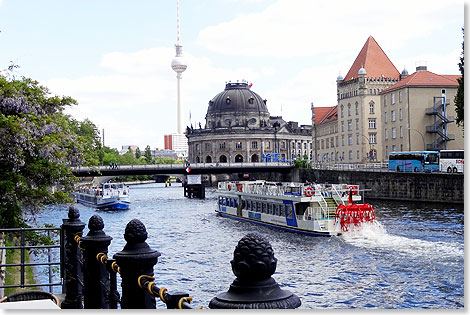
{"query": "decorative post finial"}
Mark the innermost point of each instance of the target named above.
(253, 264)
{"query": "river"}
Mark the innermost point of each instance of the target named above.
(412, 258)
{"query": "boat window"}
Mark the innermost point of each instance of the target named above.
(263, 207)
(282, 210)
(288, 211)
(300, 208)
(243, 204)
(270, 208)
(276, 209)
(258, 206)
(106, 186)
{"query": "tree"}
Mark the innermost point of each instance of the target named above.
(459, 97)
(138, 154)
(148, 154)
(38, 144)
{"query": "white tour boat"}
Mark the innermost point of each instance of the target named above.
(311, 209)
(108, 196)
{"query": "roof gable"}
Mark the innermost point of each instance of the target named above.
(324, 114)
(425, 78)
(374, 60)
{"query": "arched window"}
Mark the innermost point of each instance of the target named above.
(198, 160)
(223, 159)
(238, 158)
(255, 158)
(208, 159)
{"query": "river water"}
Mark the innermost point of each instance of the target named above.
(412, 258)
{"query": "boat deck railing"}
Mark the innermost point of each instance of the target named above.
(336, 191)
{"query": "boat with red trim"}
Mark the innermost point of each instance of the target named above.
(306, 208)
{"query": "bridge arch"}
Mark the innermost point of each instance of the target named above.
(255, 158)
(223, 159)
(238, 158)
(208, 159)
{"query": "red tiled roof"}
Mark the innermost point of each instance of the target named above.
(324, 114)
(374, 60)
(425, 78)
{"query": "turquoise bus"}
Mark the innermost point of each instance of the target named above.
(414, 161)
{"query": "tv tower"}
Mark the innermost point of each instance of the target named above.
(179, 66)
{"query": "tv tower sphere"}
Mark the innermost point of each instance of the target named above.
(178, 63)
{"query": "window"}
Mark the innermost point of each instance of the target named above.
(386, 134)
(371, 123)
(392, 116)
(357, 124)
(358, 155)
(400, 114)
(385, 117)
(386, 150)
(322, 144)
(401, 132)
(394, 133)
(332, 141)
(400, 96)
(371, 108)
(254, 144)
(357, 138)
(197, 146)
(208, 146)
(350, 154)
(372, 138)
(222, 145)
(342, 126)
(349, 109)
(392, 98)
(238, 145)
(299, 145)
(357, 109)
(385, 99)
(342, 140)
(283, 145)
(349, 125)
(342, 109)
(394, 148)
(268, 145)
(350, 139)
(327, 141)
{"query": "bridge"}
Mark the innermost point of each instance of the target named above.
(181, 169)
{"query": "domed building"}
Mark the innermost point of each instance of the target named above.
(239, 128)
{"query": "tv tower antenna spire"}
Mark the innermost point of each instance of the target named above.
(179, 66)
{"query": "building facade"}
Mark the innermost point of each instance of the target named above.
(418, 113)
(364, 113)
(239, 128)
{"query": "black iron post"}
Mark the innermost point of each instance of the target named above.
(96, 280)
(136, 259)
(253, 264)
(72, 260)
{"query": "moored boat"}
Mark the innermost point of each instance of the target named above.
(108, 196)
(306, 208)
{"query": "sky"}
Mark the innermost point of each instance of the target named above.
(114, 56)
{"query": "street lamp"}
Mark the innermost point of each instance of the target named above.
(370, 145)
(422, 137)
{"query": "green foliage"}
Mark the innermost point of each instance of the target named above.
(302, 162)
(138, 154)
(38, 144)
(459, 99)
(148, 154)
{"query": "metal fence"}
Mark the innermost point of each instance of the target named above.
(20, 235)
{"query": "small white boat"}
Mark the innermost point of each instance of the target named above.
(311, 209)
(109, 196)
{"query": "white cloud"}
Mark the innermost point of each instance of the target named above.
(306, 28)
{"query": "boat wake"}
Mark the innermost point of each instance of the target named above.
(373, 235)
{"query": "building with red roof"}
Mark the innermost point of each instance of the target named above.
(418, 113)
(359, 128)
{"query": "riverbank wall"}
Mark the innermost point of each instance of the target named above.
(426, 187)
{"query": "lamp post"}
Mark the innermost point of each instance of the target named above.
(422, 137)
(370, 145)
(314, 132)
